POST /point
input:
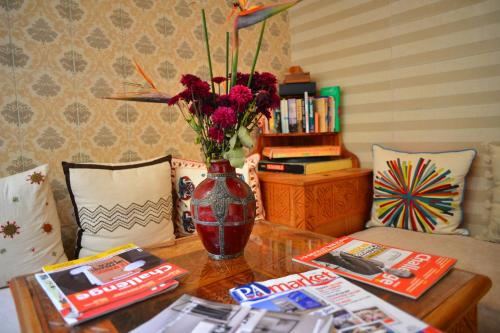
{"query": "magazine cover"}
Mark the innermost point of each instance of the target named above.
(192, 314)
(403, 272)
(351, 308)
(71, 317)
(118, 276)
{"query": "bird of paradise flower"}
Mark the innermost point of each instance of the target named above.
(414, 198)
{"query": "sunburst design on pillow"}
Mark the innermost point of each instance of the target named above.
(36, 177)
(9, 229)
(417, 198)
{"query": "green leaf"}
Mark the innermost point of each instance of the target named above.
(232, 141)
(235, 156)
(197, 140)
(245, 138)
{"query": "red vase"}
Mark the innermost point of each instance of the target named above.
(223, 211)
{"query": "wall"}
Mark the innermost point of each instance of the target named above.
(416, 75)
(57, 58)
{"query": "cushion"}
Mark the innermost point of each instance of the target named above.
(493, 231)
(419, 191)
(479, 257)
(30, 231)
(187, 174)
(121, 203)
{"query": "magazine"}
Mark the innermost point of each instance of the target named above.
(351, 308)
(90, 286)
(196, 315)
(400, 271)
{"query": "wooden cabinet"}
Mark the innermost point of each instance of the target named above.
(335, 203)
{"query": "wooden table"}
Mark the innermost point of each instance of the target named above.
(449, 305)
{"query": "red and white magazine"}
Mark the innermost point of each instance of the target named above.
(110, 280)
(400, 271)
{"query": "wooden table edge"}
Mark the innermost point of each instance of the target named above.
(317, 178)
(25, 307)
(466, 299)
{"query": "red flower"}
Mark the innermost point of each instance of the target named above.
(199, 89)
(174, 100)
(216, 134)
(242, 79)
(224, 100)
(241, 96)
(189, 79)
(224, 117)
(218, 79)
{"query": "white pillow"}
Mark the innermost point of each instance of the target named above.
(122, 203)
(30, 231)
(419, 191)
(187, 174)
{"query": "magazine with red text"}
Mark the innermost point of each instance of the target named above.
(110, 280)
(400, 271)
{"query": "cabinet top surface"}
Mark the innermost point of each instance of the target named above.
(324, 177)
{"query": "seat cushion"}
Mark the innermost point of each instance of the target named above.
(8, 314)
(472, 255)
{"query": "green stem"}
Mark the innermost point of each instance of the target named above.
(234, 67)
(208, 48)
(227, 60)
(257, 52)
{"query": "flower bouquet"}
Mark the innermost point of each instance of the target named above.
(224, 111)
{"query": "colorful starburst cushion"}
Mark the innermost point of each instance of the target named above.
(187, 174)
(115, 204)
(419, 191)
(30, 231)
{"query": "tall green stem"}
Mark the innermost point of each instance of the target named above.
(208, 49)
(257, 52)
(227, 60)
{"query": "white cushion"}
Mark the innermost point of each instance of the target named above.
(8, 314)
(187, 174)
(121, 203)
(419, 191)
(30, 231)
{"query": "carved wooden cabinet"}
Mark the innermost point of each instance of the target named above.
(334, 203)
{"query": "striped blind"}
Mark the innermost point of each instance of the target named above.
(415, 75)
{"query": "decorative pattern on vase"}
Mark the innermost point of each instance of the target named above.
(416, 198)
(223, 211)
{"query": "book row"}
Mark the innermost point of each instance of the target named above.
(304, 115)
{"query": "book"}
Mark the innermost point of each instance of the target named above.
(306, 111)
(284, 116)
(311, 113)
(400, 271)
(300, 115)
(323, 293)
(91, 286)
(300, 151)
(297, 89)
(197, 315)
(334, 92)
(305, 168)
(292, 115)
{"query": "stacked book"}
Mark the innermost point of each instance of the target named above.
(303, 159)
(85, 288)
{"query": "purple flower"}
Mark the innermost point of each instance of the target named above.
(241, 96)
(216, 134)
(224, 117)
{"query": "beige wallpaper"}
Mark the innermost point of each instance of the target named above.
(417, 75)
(57, 57)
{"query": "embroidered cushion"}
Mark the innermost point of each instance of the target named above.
(186, 175)
(116, 204)
(419, 191)
(30, 231)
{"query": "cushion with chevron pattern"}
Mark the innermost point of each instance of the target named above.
(115, 204)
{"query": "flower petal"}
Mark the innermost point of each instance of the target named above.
(255, 15)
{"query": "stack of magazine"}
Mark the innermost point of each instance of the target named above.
(85, 288)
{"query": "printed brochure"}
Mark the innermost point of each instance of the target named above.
(400, 271)
(87, 287)
(196, 315)
(323, 293)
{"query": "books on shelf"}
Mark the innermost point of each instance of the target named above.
(304, 167)
(300, 151)
(85, 288)
(400, 271)
(321, 292)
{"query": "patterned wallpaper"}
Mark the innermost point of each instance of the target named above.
(58, 57)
